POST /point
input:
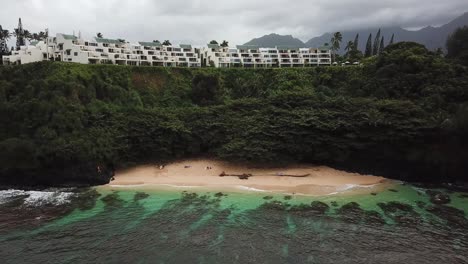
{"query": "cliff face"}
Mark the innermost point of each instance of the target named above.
(66, 124)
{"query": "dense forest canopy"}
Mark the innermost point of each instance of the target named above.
(403, 114)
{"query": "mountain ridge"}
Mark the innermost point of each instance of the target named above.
(430, 36)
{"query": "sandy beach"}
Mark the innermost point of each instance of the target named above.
(321, 180)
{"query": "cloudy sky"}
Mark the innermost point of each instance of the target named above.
(198, 21)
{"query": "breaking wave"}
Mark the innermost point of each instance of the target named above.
(36, 198)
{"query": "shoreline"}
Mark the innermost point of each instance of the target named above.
(306, 180)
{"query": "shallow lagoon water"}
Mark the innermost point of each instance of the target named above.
(119, 225)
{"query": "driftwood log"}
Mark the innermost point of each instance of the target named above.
(246, 176)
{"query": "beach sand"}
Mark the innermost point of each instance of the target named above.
(193, 173)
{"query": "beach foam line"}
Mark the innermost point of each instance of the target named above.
(251, 189)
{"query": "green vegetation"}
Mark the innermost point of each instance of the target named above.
(457, 46)
(403, 114)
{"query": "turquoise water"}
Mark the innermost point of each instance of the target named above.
(398, 225)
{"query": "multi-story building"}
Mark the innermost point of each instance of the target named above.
(69, 48)
(256, 57)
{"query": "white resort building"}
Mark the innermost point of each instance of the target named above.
(256, 57)
(69, 48)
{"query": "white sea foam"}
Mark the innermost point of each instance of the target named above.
(37, 198)
(242, 187)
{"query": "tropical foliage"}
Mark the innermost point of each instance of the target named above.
(402, 114)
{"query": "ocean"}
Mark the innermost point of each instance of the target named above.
(401, 224)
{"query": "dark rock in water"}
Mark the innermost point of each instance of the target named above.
(454, 217)
(393, 207)
(140, 196)
(315, 208)
(319, 207)
(274, 205)
(353, 213)
(219, 195)
(463, 195)
(189, 196)
(401, 213)
(113, 200)
(85, 174)
(421, 204)
(374, 194)
(288, 197)
(86, 200)
(393, 190)
(267, 197)
(438, 198)
(334, 204)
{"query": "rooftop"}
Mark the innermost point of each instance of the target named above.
(247, 47)
(108, 41)
(150, 44)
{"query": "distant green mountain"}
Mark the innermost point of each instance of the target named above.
(273, 40)
(431, 37)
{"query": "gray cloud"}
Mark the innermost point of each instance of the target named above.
(198, 21)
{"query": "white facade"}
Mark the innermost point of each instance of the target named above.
(69, 48)
(256, 57)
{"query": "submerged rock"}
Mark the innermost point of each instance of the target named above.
(140, 196)
(268, 198)
(353, 213)
(393, 207)
(438, 198)
(393, 190)
(334, 204)
(421, 204)
(113, 200)
(401, 213)
(274, 205)
(315, 208)
(219, 195)
(288, 197)
(454, 217)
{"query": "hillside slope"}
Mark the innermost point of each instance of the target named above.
(401, 116)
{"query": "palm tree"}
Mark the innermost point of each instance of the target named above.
(167, 43)
(349, 46)
(335, 42)
(99, 35)
(225, 44)
(5, 35)
(214, 42)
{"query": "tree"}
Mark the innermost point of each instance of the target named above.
(225, 44)
(356, 42)
(335, 42)
(376, 48)
(457, 45)
(382, 45)
(167, 43)
(157, 41)
(349, 46)
(99, 35)
(121, 40)
(392, 39)
(214, 42)
(20, 36)
(368, 52)
(4, 37)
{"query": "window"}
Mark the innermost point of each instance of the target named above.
(76, 54)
